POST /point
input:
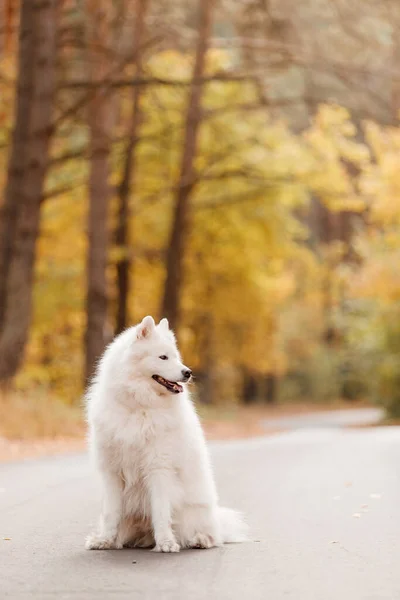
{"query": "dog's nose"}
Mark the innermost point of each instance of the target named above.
(187, 373)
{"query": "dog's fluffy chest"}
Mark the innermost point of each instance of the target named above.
(148, 441)
(145, 439)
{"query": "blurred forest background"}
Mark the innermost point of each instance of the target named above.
(233, 165)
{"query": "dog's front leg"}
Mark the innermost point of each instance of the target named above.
(161, 492)
(106, 536)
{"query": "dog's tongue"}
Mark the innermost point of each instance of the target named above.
(172, 386)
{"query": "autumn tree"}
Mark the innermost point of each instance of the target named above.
(16, 166)
(172, 139)
(127, 181)
(186, 182)
(26, 176)
(100, 123)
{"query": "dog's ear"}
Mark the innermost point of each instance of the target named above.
(163, 324)
(145, 328)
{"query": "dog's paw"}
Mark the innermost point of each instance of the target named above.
(201, 540)
(96, 542)
(167, 546)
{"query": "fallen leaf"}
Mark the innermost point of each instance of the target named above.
(7, 539)
(348, 483)
(334, 542)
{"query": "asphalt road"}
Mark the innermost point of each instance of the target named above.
(323, 505)
(337, 418)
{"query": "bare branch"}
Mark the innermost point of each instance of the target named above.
(147, 81)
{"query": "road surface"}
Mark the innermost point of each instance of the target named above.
(329, 418)
(323, 505)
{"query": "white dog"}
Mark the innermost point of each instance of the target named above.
(150, 451)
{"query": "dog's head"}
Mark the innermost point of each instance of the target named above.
(157, 357)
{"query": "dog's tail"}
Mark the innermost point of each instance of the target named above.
(233, 525)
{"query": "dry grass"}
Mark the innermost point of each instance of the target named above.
(37, 425)
(26, 416)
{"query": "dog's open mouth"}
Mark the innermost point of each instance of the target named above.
(171, 386)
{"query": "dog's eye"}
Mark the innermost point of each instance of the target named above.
(163, 357)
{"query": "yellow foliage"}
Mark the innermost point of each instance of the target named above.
(252, 288)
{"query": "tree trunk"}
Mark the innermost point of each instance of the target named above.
(207, 379)
(13, 193)
(35, 99)
(250, 388)
(99, 190)
(122, 232)
(180, 226)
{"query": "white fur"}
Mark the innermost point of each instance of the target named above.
(150, 451)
